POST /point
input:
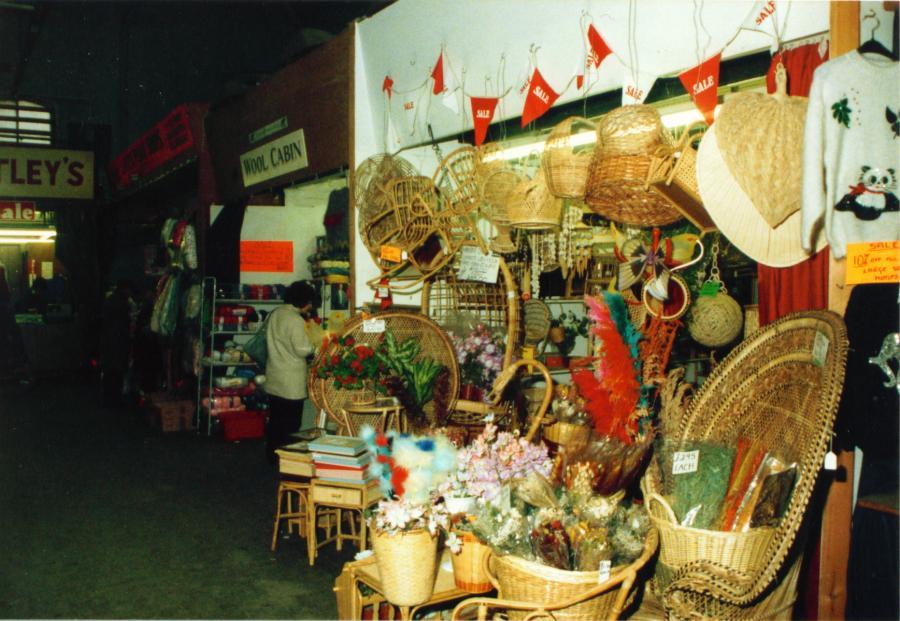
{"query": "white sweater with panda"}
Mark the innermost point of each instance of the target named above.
(851, 153)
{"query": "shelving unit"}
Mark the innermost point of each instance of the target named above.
(210, 369)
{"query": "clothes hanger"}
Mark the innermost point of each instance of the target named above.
(873, 46)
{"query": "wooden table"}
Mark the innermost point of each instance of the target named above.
(351, 601)
(354, 497)
(384, 414)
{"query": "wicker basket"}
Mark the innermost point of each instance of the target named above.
(525, 581)
(715, 320)
(407, 565)
(630, 130)
(532, 207)
(676, 179)
(468, 566)
(567, 435)
(565, 162)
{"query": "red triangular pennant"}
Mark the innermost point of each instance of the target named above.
(437, 75)
(599, 48)
(482, 113)
(579, 81)
(539, 99)
(387, 85)
(702, 84)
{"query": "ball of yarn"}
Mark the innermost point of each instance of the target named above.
(715, 320)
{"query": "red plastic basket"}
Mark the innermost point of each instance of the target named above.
(243, 425)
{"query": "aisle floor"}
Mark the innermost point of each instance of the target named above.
(103, 517)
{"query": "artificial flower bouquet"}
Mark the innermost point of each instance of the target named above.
(480, 357)
(352, 365)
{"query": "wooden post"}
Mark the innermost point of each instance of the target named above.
(834, 543)
(351, 168)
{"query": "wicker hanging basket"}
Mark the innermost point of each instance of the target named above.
(715, 320)
(630, 130)
(532, 207)
(567, 158)
(407, 565)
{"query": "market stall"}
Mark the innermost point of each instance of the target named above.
(574, 347)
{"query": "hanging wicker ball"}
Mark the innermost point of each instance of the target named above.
(715, 320)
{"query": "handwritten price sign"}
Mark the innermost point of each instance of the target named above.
(873, 262)
(267, 256)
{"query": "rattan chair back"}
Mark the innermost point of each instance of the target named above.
(369, 190)
(781, 386)
(457, 181)
(404, 325)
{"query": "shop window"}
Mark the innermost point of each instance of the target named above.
(25, 122)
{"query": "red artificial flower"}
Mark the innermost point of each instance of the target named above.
(399, 474)
(349, 341)
(335, 359)
(356, 366)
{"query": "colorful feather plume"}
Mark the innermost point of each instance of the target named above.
(613, 389)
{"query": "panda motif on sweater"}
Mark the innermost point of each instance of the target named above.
(873, 195)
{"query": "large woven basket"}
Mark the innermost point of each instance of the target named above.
(781, 387)
(533, 207)
(567, 435)
(407, 565)
(434, 344)
(630, 130)
(566, 160)
(520, 580)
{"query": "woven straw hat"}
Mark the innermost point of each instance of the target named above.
(761, 139)
(736, 216)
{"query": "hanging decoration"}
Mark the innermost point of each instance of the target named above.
(702, 84)
(482, 113)
(636, 87)
(387, 85)
(539, 99)
(599, 49)
(437, 74)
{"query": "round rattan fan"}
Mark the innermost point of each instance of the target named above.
(369, 182)
(404, 325)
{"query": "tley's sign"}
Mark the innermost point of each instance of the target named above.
(16, 211)
(46, 173)
(273, 159)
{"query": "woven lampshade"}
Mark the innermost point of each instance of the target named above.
(761, 139)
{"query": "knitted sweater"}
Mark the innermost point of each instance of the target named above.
(851, 153)
(288, 348)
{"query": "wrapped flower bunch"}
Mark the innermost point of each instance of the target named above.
(410, 470)
(352, 365)
(491, 460)
(480, 356)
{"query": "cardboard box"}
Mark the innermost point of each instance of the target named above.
(169, 416)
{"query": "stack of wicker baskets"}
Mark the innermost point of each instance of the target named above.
(620, 178)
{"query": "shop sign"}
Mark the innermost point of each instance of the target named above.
(17, 211)
(46, 173)
(273, 159)
(267, 130)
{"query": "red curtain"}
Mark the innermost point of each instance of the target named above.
(803, 286)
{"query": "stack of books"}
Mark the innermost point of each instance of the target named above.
(341, 459)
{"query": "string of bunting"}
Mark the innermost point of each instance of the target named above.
(701, 82)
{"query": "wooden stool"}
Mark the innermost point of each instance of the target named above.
(299, 517)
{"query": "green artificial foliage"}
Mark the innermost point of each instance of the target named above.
(702, 492)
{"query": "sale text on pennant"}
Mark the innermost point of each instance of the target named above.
(267, 256)
(873, 262)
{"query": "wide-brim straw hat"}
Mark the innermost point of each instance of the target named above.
(738, 219)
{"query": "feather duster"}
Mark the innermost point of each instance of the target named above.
(617, 392)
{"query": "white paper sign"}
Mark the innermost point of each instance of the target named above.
(830, 461)
(473, 265)
(603, 571)
(684, 462)
(820, 349)
(373, 326)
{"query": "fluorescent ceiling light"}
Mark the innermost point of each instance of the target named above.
(524, 150)
(24, 236)
(685, 117)
(25, 240)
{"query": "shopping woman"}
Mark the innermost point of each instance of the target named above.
(288, 347)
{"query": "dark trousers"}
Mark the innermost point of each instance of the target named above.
(285, 416)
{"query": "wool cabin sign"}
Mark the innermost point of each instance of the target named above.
(273, 159)
(46, 173)
(16, 211)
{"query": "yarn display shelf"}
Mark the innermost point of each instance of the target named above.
(246, 300)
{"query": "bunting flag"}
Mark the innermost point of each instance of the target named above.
(579, 81)
(539, 99)
(702, 84)
(599, 49)
(482, 113)
(437, 74)
(387, 85)
(636, 88)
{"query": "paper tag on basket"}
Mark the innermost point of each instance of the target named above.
(373, 326)
(820, 349)
(830, 461)
(603, 571)
(684, 462)
(392, 254)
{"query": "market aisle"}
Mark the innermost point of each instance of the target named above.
(103, 517)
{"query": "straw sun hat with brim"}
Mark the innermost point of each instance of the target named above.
(749, 175)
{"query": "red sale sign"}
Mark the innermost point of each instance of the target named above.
(437, 74)
(599, 48)
(702, 84)
(482, 113)
(539, 99)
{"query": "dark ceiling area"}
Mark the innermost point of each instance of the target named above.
(126, 64)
